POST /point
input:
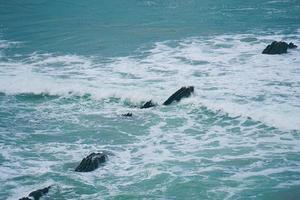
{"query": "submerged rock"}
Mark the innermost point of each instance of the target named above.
(127, 115)
(278, 48)
(183, 92)
(37, 194)
(148, 104)
(91, 162)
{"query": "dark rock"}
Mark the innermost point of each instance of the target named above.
(292, 45)
(91, 162)
(183, 92)
(278, 48)
(148, 104)
(127, 115)
(37, 194)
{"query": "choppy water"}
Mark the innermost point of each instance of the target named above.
(68, 71)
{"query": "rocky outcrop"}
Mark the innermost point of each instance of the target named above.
(91, 162)
(37, 194)
(148, 104)
(278, 48)
(183, 92)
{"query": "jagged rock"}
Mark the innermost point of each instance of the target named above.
(148, 104)
(127, 115)
(37, 194)
(91, 162)
(183, 92)
(278, 48)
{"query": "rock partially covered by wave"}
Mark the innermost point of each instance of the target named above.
(183, 92)
(278, 48)
(37, 194)
(91, 162)
(127, 114)
(148, 104)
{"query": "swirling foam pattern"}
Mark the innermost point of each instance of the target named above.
(237, 137)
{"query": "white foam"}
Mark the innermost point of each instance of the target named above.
(4, 44)
(228, 72)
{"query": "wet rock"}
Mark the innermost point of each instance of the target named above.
(292, 45)
(127, 115)
(278, 48)
(91, 162)
(148, 104)
(183, 92)
(37, 194)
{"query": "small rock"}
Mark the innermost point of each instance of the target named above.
(148, 104)
(278, 48)
(37, 194)
(91, 162)
(292, 45)
(127, 115)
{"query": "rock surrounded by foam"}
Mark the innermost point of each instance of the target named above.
(127, 114)
(292, 45)
(148, 104)
(278, 48)
(91, 162)
(183, 92)
(37, 194)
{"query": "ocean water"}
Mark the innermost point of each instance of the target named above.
(70, 69)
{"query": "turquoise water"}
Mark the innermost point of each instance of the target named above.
(69, 70)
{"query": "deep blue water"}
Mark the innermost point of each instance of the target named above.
(70, 69)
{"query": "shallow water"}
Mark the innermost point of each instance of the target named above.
(65, 81)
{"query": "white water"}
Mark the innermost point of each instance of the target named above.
(229, 73)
